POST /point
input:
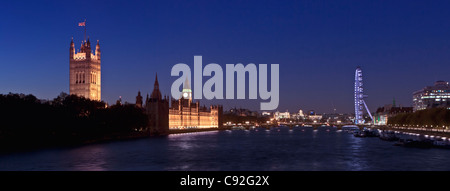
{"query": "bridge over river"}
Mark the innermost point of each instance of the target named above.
(295, 124)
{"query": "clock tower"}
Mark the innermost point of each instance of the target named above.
(187, 92)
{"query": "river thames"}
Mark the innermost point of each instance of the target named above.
(279, 149)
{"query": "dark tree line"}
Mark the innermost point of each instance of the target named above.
(229, 117)
(26, 122)
(437, 117)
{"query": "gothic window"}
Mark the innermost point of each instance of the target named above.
(84, 77)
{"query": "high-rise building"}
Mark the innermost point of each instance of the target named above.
(432, 96)
(85, 71)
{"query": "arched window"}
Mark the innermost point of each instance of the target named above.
(76, 77)
(84, 77)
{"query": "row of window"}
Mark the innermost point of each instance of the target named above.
(433, 97)
(439, 91)
(80, 78)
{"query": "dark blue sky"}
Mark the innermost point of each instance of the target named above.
(402, 46)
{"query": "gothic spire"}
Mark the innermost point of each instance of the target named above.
(186, 84)
(156, 94)
(72, 48)
(156, 81)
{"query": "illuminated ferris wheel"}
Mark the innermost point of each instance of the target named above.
(359, 98)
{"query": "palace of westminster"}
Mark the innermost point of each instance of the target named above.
(85, 81)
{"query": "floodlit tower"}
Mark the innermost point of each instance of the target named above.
(359, 98)
(85, 69)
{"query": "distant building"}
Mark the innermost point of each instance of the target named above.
(85, 71)
(186, 114)
(243, 112)
(298, 115)
(432, 96)
(337, 118)
(119, 101)
(331, 117)
(383, 113)
(281, 115)
(265, 113)
(139, 100)
(315, 117)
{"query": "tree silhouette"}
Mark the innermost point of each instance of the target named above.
(436, 117)
(67, 119)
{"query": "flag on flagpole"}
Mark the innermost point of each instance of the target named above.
(82, 24)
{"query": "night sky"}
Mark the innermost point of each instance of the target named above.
(401, 46)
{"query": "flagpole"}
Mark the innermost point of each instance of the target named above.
(84, 30)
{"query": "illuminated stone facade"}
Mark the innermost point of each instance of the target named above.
(184, 113)
(85, 71)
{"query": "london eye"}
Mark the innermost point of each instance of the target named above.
(359, 98)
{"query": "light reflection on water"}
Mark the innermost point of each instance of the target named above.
(89, 159)
(259, 149)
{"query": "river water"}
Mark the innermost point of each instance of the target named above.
(279, 149)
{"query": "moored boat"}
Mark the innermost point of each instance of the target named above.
(415, 143)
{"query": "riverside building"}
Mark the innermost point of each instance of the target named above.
(185, 114)
(182, 114)
(432, 96)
